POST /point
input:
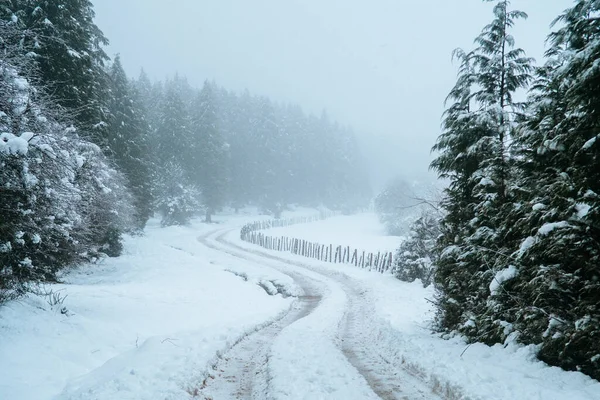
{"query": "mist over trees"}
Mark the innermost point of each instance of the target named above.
(240, 149)
(519, 253)
(87, 154)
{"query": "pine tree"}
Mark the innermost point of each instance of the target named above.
(176, 198)
(175, 194)
(68, 50)
(127, 140)
(557, 290)
(475, 156)
(61, 201)
(208, 154)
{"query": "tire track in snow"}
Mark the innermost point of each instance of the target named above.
(241, 373)
(364, 341)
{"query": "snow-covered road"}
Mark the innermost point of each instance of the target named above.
(330, 345)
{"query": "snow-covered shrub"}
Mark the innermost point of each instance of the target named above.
(60, 200)
(177, 199)
(415, 258)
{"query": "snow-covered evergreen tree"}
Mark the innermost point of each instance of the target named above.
(474, 155)
(519, 251)
(67, 46)
(555, 296)
(176, 198)
(61, 200)
(208, 155)
(127, 142)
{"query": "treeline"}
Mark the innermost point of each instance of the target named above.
(518, 257)
(239, 149)
(87, 154)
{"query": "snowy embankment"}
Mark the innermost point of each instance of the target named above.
(361, 231)
(148, 324)
(451, 367)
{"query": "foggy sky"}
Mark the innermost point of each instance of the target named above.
(381, 66)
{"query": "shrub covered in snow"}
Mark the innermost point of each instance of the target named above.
(60, 200)
(416, 256)
(396, 206)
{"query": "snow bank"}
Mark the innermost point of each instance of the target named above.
(482, 372)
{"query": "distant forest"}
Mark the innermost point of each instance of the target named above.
(88, 154)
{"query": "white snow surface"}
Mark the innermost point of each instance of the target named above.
(501, 277)
(500, 372)
(583, 210)
(150, 325)
(361, 231)
(526, 245)
(145, 325)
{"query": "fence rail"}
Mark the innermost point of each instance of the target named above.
(251, 233)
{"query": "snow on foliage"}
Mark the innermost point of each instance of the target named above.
(11, 144)
(501, 277)
(61, 199)
(547, 228)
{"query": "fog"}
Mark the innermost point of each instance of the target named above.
(382, 66)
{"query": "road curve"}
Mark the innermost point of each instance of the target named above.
(364, 340)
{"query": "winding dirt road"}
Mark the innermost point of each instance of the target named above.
(366, 342)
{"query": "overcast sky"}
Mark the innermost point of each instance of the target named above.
(381, 66)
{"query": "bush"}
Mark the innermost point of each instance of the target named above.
(415, 258)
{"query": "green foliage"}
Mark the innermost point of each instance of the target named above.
(416, 257)
(127, 141)
(209, 152)
(519, 253)
(68, 51)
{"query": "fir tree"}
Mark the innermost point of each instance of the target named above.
(68, 50)
(127, 140)
(416, 257)
(557, 289)
(208, 154)
(61, 200)
(479, 124)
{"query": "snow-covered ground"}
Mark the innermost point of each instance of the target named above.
(361, 231)
(450, 366)
(152, 324)
(145, 325)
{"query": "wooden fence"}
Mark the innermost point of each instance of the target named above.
(380, 262)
